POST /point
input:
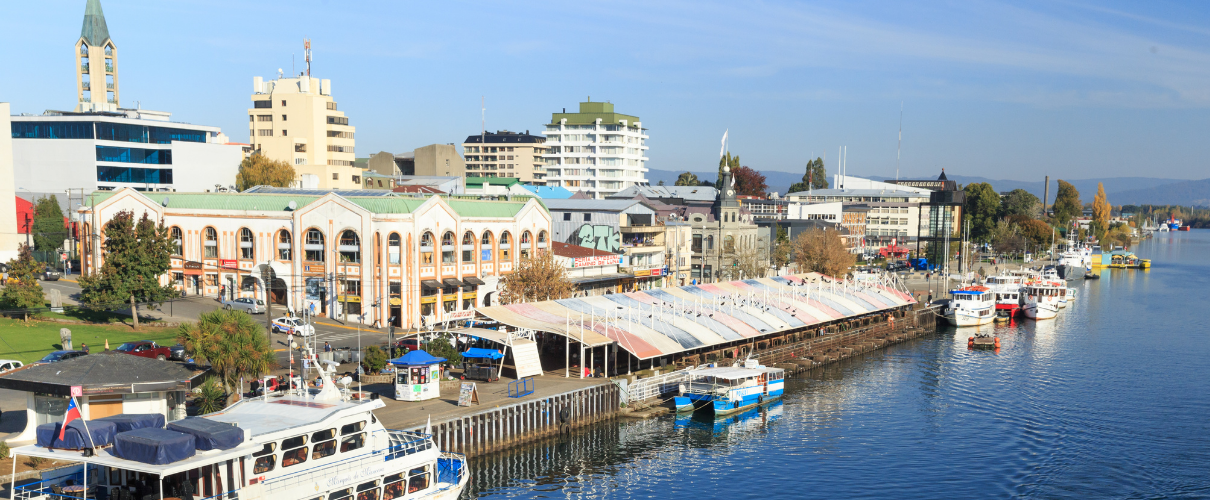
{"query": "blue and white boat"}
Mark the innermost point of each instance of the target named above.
(971, 306)
(726, 390)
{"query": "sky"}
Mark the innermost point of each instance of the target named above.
(999, 90)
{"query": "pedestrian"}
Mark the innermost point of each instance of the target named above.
(69, 268)
(84, 347)
(327, 347)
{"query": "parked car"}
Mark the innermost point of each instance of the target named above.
(9, 364)
(57, 356)
(250, 306)
(51, 275)
(294, 326)
(146, 349)
(178, 353)
(897, 266)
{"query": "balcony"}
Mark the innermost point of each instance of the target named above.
(642, 229)
(86, 86)
(109, 68)
(109, 86)
(84, 68)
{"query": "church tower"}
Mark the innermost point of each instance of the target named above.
(96, 63)
(726, 205)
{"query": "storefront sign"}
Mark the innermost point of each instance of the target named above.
(348, 298)
(457, 315)
(193, 268)
(597, 260)
(659, 271)
(229, 264)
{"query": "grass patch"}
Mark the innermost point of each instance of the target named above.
(90, 316)
(29, 342)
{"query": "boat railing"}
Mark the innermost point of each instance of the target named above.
(655, 387)
(451, 470)
(403, 443)
(44, 487)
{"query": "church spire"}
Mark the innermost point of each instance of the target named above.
(94, 31)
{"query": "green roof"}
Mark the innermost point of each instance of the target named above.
(495, 181)
(281, 202)
(94, 31)
(590, 111)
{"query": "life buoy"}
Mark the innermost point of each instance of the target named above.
(760, 400)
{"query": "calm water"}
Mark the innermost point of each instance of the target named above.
(1110, 400)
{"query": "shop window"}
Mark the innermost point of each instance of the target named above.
(210, 243)
(447, 248)
(485, 247)
(246, 244)
(176, 241)
(505, 253)
(283, 245)
(393, 248)
(426, 249)
(468, 247)
(314, 246)
(350, 247)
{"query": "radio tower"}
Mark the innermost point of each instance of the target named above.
(307, 53)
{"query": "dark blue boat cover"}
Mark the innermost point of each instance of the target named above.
(153, 446)
(209, 435)
(75, 438)
(132, 421)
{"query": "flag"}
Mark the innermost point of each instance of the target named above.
(723, 150)
(73, 412)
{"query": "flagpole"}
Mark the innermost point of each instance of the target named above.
(82, 421)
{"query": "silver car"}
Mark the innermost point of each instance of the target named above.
(250, 306)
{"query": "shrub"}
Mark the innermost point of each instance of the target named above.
(3, 450)
(441, 348)
(375, 359)
(211, 397)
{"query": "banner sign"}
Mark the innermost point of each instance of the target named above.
(597, 260)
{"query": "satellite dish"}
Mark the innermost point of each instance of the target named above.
(164, 202)
(345, 381)
(293, 205)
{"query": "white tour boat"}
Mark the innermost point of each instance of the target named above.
(301, 445)
(1040, 300)
(1008, 293)
(971, 306)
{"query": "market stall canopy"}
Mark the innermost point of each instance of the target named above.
(671, 320)
(479, 352)
(416, 358)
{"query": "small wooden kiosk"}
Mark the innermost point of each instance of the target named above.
(417, 377)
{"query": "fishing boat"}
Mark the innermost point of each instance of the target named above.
(1040, 299)
(1008, 294)
(726, 390)
(971, 306)
(302, 444)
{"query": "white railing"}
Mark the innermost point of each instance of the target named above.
(654, 387)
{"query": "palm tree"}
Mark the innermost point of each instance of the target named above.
(232, 343)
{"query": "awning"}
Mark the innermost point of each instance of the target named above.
(453, 282)
(431, 284)
(474, 281)
(416, 358)
(479, 352)
(601, 277)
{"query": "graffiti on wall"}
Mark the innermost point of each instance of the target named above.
(600, 237)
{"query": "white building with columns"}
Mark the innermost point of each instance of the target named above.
(419, 260)
(595, 150)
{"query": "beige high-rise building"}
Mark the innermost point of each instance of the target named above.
(96, 63)
(297, 121)
(506, 154)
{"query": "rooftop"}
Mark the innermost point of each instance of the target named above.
(102, 373)
(860, 192)
(574, 251)
(687, 193)
(94, 31)
(590, 112)
(593, 205)
(495, 181)
(548, 192)
(504, 136)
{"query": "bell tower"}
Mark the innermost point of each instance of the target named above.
(96, 63)
(726, 205)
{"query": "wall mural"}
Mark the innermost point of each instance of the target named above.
(600, 237)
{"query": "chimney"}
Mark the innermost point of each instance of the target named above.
(1045, 195)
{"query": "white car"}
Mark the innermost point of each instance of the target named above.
(9, 364)
(296, 326)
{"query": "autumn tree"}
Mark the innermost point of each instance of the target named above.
(22, 290)
(1067, 204)
(1039, 233)
(687, 179)
(1100, 212)
(749, 182)
(48, 231)
(259, 170)
(1020, 202)
(982, 205)
(816, 177)
(822, 251)
(539, 278)
(136, 256)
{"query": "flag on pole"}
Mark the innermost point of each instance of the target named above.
(73, 412)
(723, 150)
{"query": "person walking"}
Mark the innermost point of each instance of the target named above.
(327, 347)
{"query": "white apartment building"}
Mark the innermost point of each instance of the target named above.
(297, 121)
(595, 150)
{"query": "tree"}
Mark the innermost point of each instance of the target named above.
(1020, 202)
(749, 182)
(782, 249)
(1067, 204)
(259, 170)
(1007, 238)
(136, 255)
(743, 263)
(23, 290)
(375, 359)
(726, 161)
(816, 177)
(1039, 233)
(1100, 212)
(822, 251)
(687, 179)
(661, 183)
(49, 231)
(539, 278)
(232, 342)
(982, 205)
(442, 348)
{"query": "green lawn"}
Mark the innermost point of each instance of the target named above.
(29, 342)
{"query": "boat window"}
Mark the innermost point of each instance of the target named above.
(264, 464)
(367, 486)
(324, 449)
(393, 489)
(293, 442)
(323, 435)
(419, 479)
(353, 442)
(341, 494)
(353, 427)
(269, 448)
(293, 457)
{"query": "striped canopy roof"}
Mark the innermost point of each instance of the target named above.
(664, 321)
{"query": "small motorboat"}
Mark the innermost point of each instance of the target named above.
(1092, 276)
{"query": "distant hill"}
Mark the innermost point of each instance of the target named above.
(1184, 193)
(1119, 190)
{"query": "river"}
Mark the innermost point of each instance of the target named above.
(1109, 400)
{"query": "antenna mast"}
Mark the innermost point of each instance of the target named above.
(899, 149)
(307, 52)
(482, 124)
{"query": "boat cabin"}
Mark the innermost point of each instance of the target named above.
(730, 389)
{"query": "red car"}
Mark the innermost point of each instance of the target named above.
(146, 349)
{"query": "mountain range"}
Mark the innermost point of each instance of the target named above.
(1119, 190)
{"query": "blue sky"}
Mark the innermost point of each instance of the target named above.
(1012, 91)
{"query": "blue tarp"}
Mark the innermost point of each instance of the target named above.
(74, 438)
(416, 358)
(132, 421)
(153, 446)
(208, 434)
(479, 352)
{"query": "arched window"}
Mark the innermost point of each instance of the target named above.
(177, 237)
(485, 247)
(349, 247)
(426, 249)
(542, 239)
(314, 246)
(247, 250)
(525, 244)
(210, 243)
(285, 246)
(447, 248)
(468, 247)
(393, 248)
(505, 251)
(729, 244)
(710, 242)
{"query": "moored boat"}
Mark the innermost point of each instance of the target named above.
(971, 306)
(730, 389)
(1040, 300)
(1007, 290)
